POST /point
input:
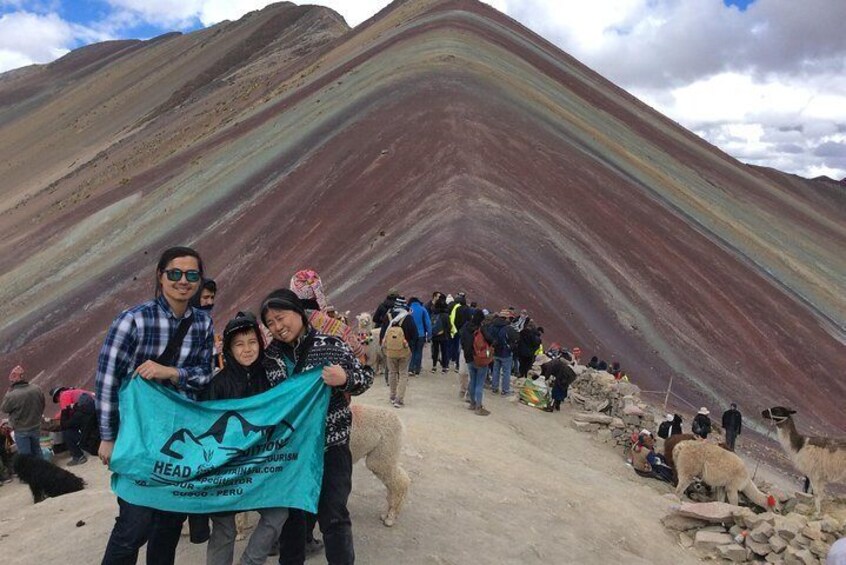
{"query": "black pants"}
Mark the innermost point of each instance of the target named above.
(332, 515)
(137, 525)
(440, 349)
(525, 365)
(71, 437)
(731, 437)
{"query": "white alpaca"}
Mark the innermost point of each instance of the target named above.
(717, 467)
(369, 338)
(821, 459)
(377, 436)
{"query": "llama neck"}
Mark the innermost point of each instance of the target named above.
(790, 438)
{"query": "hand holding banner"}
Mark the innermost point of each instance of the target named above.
(265, 451)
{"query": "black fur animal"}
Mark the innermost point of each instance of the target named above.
(44, 478)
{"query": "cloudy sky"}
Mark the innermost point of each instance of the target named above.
(764, 80)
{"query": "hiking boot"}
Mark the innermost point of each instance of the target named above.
(77, 461)
(480, 411)
(398, 403)
(392, 399)
(494, 390)
(507, 392)
(444, 370)
(434, 369)
(472, 406)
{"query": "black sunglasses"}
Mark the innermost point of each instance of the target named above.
(175, 275)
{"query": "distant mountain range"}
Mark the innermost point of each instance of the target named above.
(438, 146)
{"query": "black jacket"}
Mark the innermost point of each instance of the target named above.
(703, 423)
(466, 337)
(82, 416)
(409, 328)
(677, 425)
(236, 381)
(380, 315)
(530, 340)
(732, 421)
(440, 310)
(563, 373)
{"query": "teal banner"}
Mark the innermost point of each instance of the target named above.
(266, 451)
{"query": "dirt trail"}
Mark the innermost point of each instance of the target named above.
(518, 486)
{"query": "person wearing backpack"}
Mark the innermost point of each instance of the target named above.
(478, 356)
(396, 338)
(440, 334)
(504, 338)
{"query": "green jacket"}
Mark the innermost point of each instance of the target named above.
(25, 405)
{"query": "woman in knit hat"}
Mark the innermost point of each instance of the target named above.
(296, 348)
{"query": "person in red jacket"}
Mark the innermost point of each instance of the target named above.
(78, 422)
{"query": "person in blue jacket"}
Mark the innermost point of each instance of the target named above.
(424, 333)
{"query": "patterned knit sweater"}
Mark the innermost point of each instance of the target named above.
(314, 350)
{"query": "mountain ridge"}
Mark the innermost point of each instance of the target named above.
(439, 144)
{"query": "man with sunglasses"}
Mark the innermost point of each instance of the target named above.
(166, 340)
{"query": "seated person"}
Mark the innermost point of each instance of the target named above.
(77, 421)
(646, 462)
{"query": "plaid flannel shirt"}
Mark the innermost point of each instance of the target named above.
(140, 334)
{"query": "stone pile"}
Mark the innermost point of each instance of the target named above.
(610, 408)
(716, 530)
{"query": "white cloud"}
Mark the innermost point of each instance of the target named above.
(27, 38)
(767, 85)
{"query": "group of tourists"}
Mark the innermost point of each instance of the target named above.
(74, 426)
(647, 463)
(170, 340)
(492, 345)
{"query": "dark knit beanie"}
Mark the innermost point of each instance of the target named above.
(283, 299)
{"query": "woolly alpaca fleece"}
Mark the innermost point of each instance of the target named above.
(821, 459)
(377, 436)
(716, 467)
(45, 479)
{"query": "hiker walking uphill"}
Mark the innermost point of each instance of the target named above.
(165, 340)
(24, 403)
(423, 323)
(440, 334)
(396, 338)
(478, 356)
(732, 424)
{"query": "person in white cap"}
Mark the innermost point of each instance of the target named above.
(701, 423)
(666, 427)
